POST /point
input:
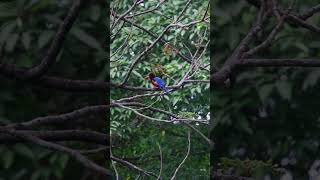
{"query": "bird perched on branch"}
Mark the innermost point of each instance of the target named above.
(157, 82)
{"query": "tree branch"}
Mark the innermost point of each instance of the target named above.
(224, 73)
(132, 166)
(60, 135)
(56, 147)
(57, 43)
(62, 118)
(280, 63)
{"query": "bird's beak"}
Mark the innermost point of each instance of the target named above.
(147, 77)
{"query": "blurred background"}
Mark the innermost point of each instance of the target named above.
(267, 124)
(26, 30)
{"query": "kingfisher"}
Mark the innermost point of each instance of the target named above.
(157, 82)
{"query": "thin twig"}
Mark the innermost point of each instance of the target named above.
(184, 159)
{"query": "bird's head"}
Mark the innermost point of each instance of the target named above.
(150, 76)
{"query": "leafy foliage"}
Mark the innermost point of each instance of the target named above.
(136, 138)
(27, 29)
(269, 113)
(249, 168)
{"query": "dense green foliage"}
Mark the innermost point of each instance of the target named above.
(267, 123)
(269, 114)
(136, 139)
(27, 28)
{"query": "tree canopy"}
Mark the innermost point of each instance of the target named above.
(148, 129)
(76, 101)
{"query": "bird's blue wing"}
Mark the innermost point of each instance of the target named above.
(160, 82)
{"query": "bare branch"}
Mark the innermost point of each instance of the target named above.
(56, 147)
(184, 159)
(132, 166)
(219, 176)
(94, 151)
(280, 63)
(224, 73)
(268, 41)
(57, 43)
(161, 163)
(60, 135)
(304, 24)
(183, 57)
(136, 2)
(62, 118)
(13, 72)
(310, 12)
(146, 11)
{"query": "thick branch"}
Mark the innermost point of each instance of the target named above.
(304, 24)
(13, 72)
(62, 135)
(62, 118)
(227, 68)
(310, 12)
(219, 176)
(280, 63)
(57, 43)
(268, 40)
(56, 147)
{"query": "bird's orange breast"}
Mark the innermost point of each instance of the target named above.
(153, 82)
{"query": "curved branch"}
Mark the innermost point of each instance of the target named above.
(132, 166)
(62, 118)
(223, 74)
(13, 72)
(56, 147)
(184, 159)
(56, 45)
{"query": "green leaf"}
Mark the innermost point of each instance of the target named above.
(311, 79)
(45, 172)
(137, 74)
(36, 175)
(284, 89)
(35, 6)
(20, 174)
(63, 160)
(8, 157)
(198, 88)
(166, 97)
(95, 13)
(44, 38)
(302, 46)
(58, 173)
(174, 101)
(265, 92)
(8, 9)
(24, 150)
(26, 40)
(244, 125)
(6, 30)
(85, 38)
(11, 42)
(53, 158)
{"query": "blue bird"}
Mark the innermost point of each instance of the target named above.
(157, 82)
